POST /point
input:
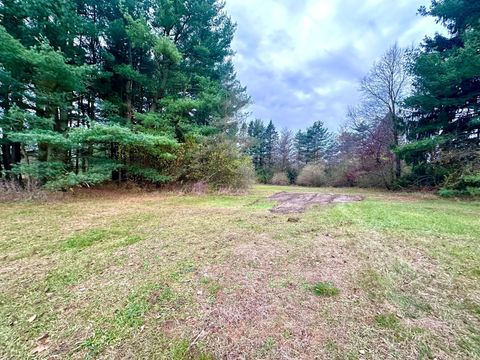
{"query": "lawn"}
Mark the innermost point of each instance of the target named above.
(164, 276)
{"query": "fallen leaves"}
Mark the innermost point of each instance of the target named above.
(42, 344)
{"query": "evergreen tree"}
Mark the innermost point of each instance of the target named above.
(301, 148)
(313, 144)
(444, 130)
(256, 132)
(93, 90)
(319, 141)
(270, 145)
(263, 148)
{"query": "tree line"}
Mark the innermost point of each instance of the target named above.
(420, 108)
(120, 90)
(285, 152)
(417, 125)
(146, 91)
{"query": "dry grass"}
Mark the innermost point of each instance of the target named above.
(30, 190)
(158, 275)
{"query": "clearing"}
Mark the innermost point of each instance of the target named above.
(158, 275)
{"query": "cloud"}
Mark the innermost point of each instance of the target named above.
(302, 60)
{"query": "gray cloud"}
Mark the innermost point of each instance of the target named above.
(302, 60)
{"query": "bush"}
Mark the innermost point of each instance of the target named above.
(378, 178)
(465, 185)
(280, 178)
(342, 173)
(423, 176)
(312, 175)
(218, 163)
(292, 175)
(264, 176)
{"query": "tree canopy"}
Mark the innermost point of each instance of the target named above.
(444, 126)
(92, 90)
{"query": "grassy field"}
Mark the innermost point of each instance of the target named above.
(163, 276)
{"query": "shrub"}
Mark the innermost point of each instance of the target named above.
(264, 176)
(292, 175)
(218, 163)
(465, 185)
(422, 176)
(342, 173)
(280, 178)
(199, 188)
(312, 175)
(378, 178)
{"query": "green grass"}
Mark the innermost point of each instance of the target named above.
(203, 277)
(325, 289)
(387, 321)
(86, 239)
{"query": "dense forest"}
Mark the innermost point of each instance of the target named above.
(146, 91)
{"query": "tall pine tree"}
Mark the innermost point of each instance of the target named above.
(444, 129)
(93, 90)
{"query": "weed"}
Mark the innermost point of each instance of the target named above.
(387, 321)
(132, 314)
(325, 289)
(130, 240)
(267, 346)
(425, 351)
(183, 269)
(61, 278)
(179, 350)
(374, 284)
(98, 341)
(287, 334)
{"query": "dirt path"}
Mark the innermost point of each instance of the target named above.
(300, 202)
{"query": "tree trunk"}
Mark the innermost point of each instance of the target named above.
(17, 158)
(153, 108)
(61, 125)
(6, 160)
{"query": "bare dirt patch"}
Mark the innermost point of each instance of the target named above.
(300, 202)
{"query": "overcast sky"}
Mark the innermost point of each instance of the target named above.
(302, 59)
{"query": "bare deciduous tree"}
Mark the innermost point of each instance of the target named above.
(285, 150)
(384, 89)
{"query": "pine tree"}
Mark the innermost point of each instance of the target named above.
(444, 129)
(256, 132)
(313, 144)
(319, 141)
(93, 90)
(301, 148)
(270, 145)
